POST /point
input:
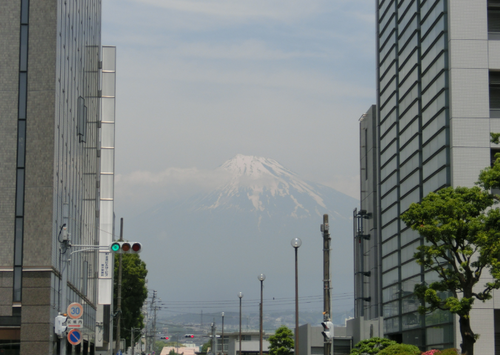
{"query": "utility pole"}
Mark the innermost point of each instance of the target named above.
(119, 296)
(326, 279)
(214, 339)
(154, 320)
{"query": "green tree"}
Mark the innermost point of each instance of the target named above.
(134, 292)
(281, 343)
(400, 349)
(462, 239)
(371, 346)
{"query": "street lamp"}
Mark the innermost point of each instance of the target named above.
(240, 295)
(222, 340)
(261, 278)
(296, 243)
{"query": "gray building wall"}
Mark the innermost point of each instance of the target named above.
(366, 239)
(435, 108)
(45, 164)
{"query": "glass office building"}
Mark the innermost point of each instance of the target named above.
(438, 74)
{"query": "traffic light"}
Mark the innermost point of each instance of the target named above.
(59, 327)
(126, 247)
(327, 331)
(189, 336)
(166, 338)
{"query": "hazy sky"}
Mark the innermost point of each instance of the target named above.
(199, 81)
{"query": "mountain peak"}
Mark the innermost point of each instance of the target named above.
(253, 167)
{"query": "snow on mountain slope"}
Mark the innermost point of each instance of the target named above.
(263, 185)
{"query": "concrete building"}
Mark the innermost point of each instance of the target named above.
(53, 146)
(249, 343)
(438, 99)
(311, 341)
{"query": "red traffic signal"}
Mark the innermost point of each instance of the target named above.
(166, 338)
(189, 336)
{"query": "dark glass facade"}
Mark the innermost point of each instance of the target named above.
(414, 138)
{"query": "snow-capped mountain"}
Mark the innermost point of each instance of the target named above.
(263, 182)
(219, 241)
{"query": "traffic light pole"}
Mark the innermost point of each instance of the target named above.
(119, 296)
(65, 255)
(326, 279)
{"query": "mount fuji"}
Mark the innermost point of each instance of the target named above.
(212, 245)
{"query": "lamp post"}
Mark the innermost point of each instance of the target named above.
(296, 243)
(261, 278)
(240, 295)
(222, 337)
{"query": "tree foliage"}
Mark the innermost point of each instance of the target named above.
(400, 349)
(371, 346)
(134, 292)
(462, 234)
(281, 343)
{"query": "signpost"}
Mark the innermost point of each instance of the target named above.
(75, 310)
(74, 337)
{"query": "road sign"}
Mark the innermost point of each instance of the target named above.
(74, 323)
(75, 310)
(74, 337)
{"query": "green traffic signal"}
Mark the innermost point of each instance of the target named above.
(115, 247)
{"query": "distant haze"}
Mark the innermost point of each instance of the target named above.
(206, 245)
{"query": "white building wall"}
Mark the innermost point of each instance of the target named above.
(471, 57)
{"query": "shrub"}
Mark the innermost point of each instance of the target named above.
(432, 352)
(371, 346)
(451, 351)
(400, 349)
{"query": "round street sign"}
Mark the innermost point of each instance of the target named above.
(75, 310)
(74, 337)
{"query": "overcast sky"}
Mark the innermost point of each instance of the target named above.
(199, 81)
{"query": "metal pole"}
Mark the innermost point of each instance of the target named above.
(261, 301)
(65, 255)
(222, 340)
(326, 278)
(119, 295)
(132, 340)
(296, 303)
(240, 295)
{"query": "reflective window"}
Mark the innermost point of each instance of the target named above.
(390, 245)
(391, 325)
(389, 199)
(17, 284)
(21, 143)
(439, 334)
(409, 269)
(410, 182)
(435, 125)
(494, 79)
(389, 230)
(433, 145)
(409, 166)
(435, 163)
(391, 309)
(412, 320)
(23, 51)
(20, 193)
(22, 95)
(18, 245)
(412, 197)
(390, 261)
(493, 19)
(390, 277)
(408, 235)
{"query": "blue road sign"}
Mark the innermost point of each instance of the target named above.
(74, 337)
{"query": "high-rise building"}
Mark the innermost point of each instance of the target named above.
(53, 145)
(438, 99)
